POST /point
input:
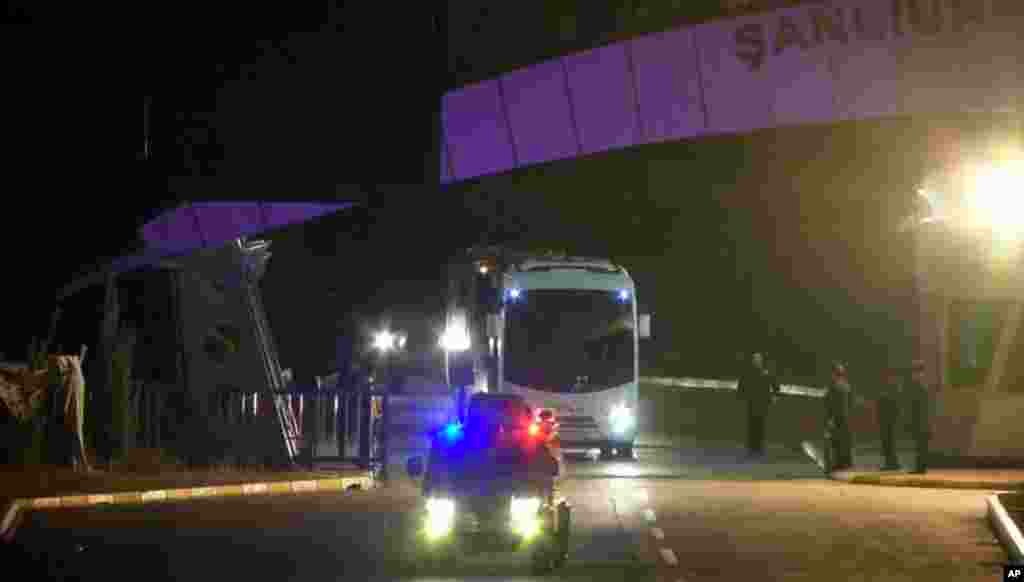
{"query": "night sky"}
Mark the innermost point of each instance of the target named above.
(783, 239)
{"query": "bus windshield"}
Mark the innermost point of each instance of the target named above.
(555, 337)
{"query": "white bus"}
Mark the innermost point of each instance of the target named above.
(561, 331)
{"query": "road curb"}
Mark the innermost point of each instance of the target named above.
(10, 519)
(8, 525)
(922, 483)
(1006, 530)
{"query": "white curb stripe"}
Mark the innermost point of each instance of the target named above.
(657, 533)
(669, 556)
(7, 525)
(1006, 529)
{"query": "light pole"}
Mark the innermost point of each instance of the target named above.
(454, 339)
(387, 342)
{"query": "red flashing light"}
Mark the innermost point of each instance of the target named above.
(533, 430)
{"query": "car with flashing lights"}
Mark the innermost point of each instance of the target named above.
(489, 485)
(561, 331)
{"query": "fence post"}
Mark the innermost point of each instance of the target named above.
(384, 433)
(365, 425)
(314, 428)
(341, 423)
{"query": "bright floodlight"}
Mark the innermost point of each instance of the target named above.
(384, 340)
(455, 339)
(995, 198)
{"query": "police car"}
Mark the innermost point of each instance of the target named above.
(489, 486)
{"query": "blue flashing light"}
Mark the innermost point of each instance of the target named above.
(623, 295)
(513, 294)
(452, 432)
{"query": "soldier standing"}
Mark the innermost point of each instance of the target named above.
(838, 400)
(888, 417)
(919, 408)
(756, 387)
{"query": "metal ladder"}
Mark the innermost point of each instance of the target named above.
(271, 364)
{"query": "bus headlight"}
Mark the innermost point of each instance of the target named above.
(621, 419)
(440, 518)
(524, 516)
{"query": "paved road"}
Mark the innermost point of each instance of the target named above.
(669, 515)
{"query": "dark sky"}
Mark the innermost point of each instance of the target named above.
(312, 102)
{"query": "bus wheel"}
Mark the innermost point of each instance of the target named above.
(626, 452)
(606, 453)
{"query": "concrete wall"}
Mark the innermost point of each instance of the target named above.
(983, 420)
(212, 294)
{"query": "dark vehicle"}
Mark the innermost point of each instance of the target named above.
(490, 486)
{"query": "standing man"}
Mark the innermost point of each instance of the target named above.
(757, 387)
(888, 417)
(838, 400)
(919, 408)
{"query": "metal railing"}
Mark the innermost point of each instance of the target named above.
(708, 383)
(268, 354)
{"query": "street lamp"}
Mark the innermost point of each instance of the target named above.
(994, 197)
(454, 339)
(385, 342)
(982, 199)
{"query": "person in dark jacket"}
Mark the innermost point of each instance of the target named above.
(838, 403)
(888, 417)
(757, 388)
(919, 412)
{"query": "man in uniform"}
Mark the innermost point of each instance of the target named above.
(919, 408)
(838, 400)
(888, 417)
(756, 388)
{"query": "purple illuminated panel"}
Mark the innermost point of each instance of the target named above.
(182, 229)
(601, 92)
(212, 224)
(819, 62)
(763, 71)
(539, 113)
(868, 76)
(154, 232)
(478, 140)
(668, 86)
(916, 60)
(226, 220)
(284, 213)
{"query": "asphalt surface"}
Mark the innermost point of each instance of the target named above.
(670, 514)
